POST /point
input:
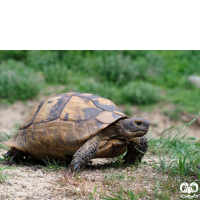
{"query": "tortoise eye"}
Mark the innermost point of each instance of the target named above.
(139, 123)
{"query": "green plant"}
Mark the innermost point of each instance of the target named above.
(17, 81)
(150, 67)
(92, 194)
(12, 54)
(56, 74)
(119, 195)
(53, 165)
(183, 153)
(3, 177)
(40, 59)
(102, 89)
(117, 69)
(140, 93)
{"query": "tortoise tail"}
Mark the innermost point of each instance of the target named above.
(10, 143)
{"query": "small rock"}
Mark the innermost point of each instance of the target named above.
(21, 194)
(195, 80)
(23, 186)
(146, 198)
(128, 168)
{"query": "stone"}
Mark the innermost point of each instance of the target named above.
(194, 80)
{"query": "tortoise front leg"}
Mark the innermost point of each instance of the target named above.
(83, 155)
(133, 155)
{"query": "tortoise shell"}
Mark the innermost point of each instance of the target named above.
(60, 125)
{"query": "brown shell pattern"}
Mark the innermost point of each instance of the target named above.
(64, 123)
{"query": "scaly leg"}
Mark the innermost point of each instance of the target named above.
(133, 155)
(83, 155)
(15, 154)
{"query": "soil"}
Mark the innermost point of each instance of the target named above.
(34, 182)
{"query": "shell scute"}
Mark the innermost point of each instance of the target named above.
(68, 133)
(79, 109)
(82, 132)
(107, 117)
(54, 134)
(52, 109)
(31, 144)
(106, 105)
(32, 115)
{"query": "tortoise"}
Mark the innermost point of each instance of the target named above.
(77, 127)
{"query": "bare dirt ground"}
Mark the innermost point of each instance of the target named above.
(34, 182)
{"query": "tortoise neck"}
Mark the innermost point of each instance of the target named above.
(112, 131)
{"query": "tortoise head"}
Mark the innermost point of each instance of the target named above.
(133, 127)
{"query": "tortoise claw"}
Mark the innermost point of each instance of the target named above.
(8, 154)
(76, 167)
(12, 158)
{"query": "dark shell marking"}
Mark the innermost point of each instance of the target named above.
(34, 116)
(58, 108)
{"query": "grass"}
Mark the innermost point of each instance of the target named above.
(3, 177)
(178, 155)
(119, 195)
(17, 81)
(53, 165)
(140, 93)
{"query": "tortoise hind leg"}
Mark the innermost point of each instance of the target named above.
(15, 154)
(83, 155)
(133, 155)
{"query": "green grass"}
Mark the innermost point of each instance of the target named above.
(17, 81)
(185, 100)
(3, 177)
(140, 93)
(178, 155)
(56, 74)
(53, 165)
(121, 195)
